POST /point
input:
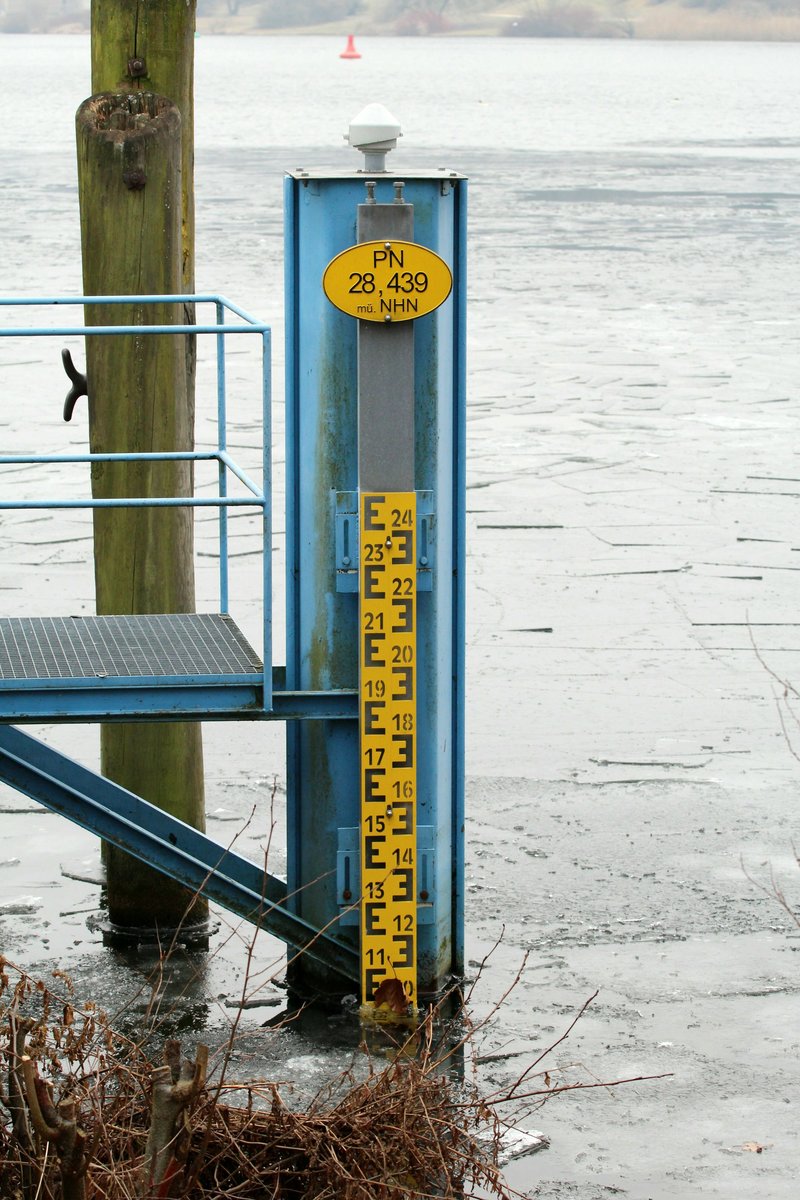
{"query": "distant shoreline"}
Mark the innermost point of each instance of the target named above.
(753, 34)
(639, 21)
(671, 20)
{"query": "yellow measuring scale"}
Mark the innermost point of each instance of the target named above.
(388, 725)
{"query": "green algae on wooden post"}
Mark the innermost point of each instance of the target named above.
(129, 178)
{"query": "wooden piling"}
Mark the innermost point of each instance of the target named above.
(147, 228)
(129, 179)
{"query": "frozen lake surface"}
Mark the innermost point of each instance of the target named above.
(633, 485)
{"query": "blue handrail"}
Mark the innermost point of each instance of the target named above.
(258, 497)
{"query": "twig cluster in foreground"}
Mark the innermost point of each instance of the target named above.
(402, 1125)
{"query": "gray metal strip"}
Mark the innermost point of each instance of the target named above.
(385, 373)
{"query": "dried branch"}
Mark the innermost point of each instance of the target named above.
(176, 1085)
(39, 1102)
(59, 1126)
(775, 890)
(19, 1028)
(404, 1123)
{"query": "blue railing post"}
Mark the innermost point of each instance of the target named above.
(222, 476)
(266, 511)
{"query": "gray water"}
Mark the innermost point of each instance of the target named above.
(633, 483)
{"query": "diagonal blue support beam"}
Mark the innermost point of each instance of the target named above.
(155, 837)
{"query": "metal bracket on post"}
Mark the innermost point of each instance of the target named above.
(348, 875)
(346, 541)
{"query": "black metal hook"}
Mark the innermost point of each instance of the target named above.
(79, 385)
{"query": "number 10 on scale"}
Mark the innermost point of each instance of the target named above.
(388, 720)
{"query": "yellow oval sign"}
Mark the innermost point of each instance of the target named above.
(387, 281)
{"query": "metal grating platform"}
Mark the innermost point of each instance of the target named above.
(124, 647)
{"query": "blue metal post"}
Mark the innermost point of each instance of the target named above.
(322, 608)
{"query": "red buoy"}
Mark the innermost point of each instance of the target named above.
(350, 49)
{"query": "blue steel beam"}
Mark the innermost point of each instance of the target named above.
(71, 701)
(155, 837)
